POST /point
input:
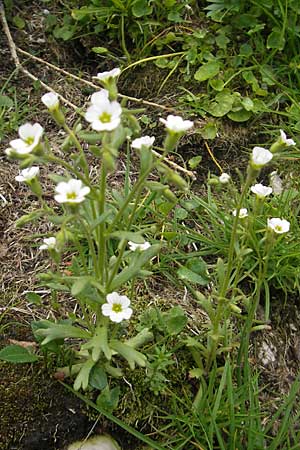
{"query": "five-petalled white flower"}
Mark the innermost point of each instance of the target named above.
(260, 157)
(146, 141)
(110, 74)
(278, 225)
(260, 190)
(176, 124)
(243, 212)
(284, 140)
(71, 192)
(50, 100)
(224, 178)
(30, 136)
(49, 244)
(28, 174)
(103, 114)
(117, 307)
(133, 246)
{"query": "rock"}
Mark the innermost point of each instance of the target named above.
(95, 443)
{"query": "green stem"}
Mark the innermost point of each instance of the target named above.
(222, 301)
(70, 168)
(88, 234)
(102, 231)
(123, 43)
(79, 148)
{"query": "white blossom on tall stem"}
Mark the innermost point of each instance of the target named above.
(110, 74)
(243, 212)
(146, 141)
(28, 174)
(284, 140)
(49, 244)
(71, 192)
(103, 114)
(260, 157)
(278, 225)
(224, 178)
(30, 136)
(133, 246)
(50, 100)
(176, 124)
(260, 190)
(117, 307)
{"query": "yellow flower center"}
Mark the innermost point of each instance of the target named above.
(117, 307)
(71, 195)
(29, 140)
(105, 117)
(278, 228)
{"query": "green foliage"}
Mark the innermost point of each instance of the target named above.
(130, 22)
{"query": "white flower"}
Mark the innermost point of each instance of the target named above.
(260, 190)
(116, 307)
(261, 156)
(176, 124)
(243, 212)
(283, 139)
(133, 246)
(224, 178)
(30, 136)
(279, 226)
(146, 141)
(71, 192)
(103, 114)
(28, 174)
(49, 244)
(105, 76)
(50, 100)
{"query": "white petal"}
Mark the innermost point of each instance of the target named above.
(26, 131)
(127, 313)
(18, 144)
(109, 74)
(116, 317)
(106, 309)
(61, 188)
(92, 113)
(74, 185)
(60, 198)
(50, 100)
(124, 301)
(113, 297)
(100, 98)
